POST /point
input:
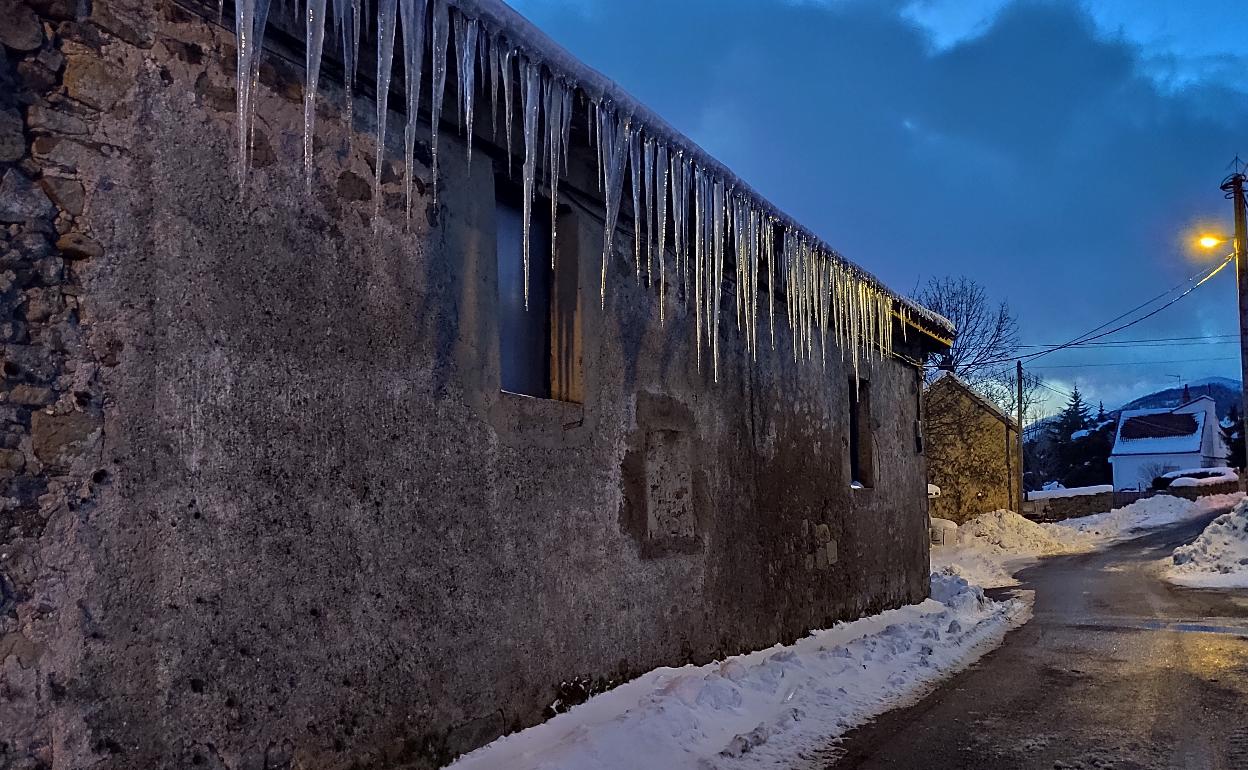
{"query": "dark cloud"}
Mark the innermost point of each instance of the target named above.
(1042, 156)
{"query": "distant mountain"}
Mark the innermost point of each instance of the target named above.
(1225, 392)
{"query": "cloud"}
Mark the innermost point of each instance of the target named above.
(1033, 149)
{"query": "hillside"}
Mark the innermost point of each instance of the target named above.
(1225, 392)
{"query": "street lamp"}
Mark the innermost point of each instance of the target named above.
(1210, 241)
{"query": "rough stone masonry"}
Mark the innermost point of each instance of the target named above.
(264, 504)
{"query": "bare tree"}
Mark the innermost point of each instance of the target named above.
(986, 341)
(987, 332)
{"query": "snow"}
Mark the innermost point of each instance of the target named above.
(1080, 434)
(1201, 477)
(1050, 494)
(1218, 558)
(1142, 515)
(991, 547)
(1184, 444)
(771, 707)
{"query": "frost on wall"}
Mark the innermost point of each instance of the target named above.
(718, 223)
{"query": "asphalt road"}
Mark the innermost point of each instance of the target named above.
(1116, 670)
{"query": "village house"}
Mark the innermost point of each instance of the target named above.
(368, 468)
(972, 451)
(1153, 442)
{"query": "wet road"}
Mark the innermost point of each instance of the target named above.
(1116, 670)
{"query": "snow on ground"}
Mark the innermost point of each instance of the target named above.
(991, 547)
(1218, 558)
(1149, 513)
(771, 707)
(1049, 494)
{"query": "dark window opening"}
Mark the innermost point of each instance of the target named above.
(861, 440)
(539, 347)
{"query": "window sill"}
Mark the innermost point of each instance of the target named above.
(531, 421)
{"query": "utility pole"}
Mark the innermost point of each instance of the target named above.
(1233, 186)
(1022, 491)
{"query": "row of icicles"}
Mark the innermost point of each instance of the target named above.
(830, 301)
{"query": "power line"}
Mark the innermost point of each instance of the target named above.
(1092, 335)
(1234, 336)
(1138, 363)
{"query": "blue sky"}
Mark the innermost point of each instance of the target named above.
(1056, 151)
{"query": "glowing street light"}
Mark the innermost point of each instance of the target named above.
(1210, 241)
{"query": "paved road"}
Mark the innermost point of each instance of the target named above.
(1116, 670)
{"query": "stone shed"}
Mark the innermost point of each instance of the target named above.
(972, 451)
(293, 479)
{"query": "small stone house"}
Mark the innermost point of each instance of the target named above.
(365, 462)
(1153, 442)
(972, 451)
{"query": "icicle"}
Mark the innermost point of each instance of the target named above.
(508, 107)
(347, 20)
(634, 166)
(386, 11)
(699, 241)
(647, 166)
(466, 48)
(314, 44)
(531, 81)
(565, 125)
(556, 101)
(661, 224)
(596, 132)
(494, 67)
(769, 253)
(719, 207)
(441, 39)
(412, 14)
(754, 283)
(680, 217)
(615, 137)
(250, 18)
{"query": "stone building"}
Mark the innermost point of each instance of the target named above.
(972, 451)
(290, 485)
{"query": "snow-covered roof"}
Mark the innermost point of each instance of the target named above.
(1159, 431)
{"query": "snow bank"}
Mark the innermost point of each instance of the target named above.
(991, 547)
(1049, 494)
(1201, 477)
(1142, 515)
(1219, 557)
(771, 707)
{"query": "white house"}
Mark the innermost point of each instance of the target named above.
(1153, 442)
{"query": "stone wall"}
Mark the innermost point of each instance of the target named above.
(266, 506)
(1192, 493)
(972, 454)
(1060, 508)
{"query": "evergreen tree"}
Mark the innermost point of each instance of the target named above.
(1081, 461)
(1075, 417)
(1235, 438)
(1100, 412)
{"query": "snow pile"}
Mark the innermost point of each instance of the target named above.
(1148, 513)
(991, 547)
(1219, 557)
(1049, 494)
(1201, 477)
(768, 707)
(1005, 532)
